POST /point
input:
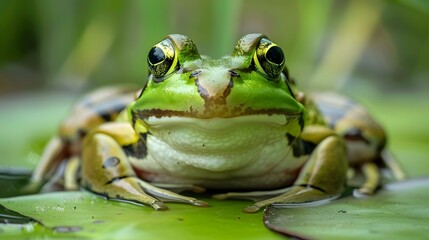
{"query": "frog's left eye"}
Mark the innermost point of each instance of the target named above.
(162, 59)
(269, 58)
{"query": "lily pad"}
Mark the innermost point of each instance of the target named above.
(83, 215)
(399, 211)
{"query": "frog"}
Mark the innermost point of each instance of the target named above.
(237, 124)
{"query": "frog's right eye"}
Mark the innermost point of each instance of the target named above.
(162, 59)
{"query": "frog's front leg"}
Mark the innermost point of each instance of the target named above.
(322, 177)
(107, 171)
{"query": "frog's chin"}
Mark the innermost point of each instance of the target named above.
(218, 144)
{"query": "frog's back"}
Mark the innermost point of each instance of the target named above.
(365, 138)
(95, 108)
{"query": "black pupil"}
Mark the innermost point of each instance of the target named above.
(275, 55)
(156, 55)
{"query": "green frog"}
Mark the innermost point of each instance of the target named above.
(234, 123)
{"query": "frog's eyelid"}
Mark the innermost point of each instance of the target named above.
(182, 43)
(246, 44)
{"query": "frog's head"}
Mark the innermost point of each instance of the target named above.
(190, 100)
(252, 80)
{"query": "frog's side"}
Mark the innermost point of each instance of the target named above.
(230, 123)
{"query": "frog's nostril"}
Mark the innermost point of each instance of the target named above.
(194, 74)
(233, 73)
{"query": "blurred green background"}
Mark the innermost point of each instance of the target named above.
(53, 51)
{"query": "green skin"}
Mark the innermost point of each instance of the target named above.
(248, 90)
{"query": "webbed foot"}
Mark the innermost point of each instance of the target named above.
(292, 196)
(322, 178)
(107, 171)
(296, 196)
(138, 191)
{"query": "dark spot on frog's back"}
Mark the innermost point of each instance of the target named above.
(355, 134)
(111, 162)
(108, 111)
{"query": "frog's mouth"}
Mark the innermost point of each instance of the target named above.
(216, 113)
(217, 123)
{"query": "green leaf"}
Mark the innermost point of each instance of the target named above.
(400, 211)
(84, 215)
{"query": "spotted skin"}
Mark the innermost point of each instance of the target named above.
(365, 139)
(352, 122)
(92, 110)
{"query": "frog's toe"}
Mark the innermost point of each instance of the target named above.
(365, 191)
(159, 206)
(169, 196)
(136, 190)
(221, 196)
(178, 188)
(252, 209)
(128, 189)
(254, 196)
(296, 196)
(372, 179)
(199, 203)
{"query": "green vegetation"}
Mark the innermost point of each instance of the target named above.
(52, 51)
